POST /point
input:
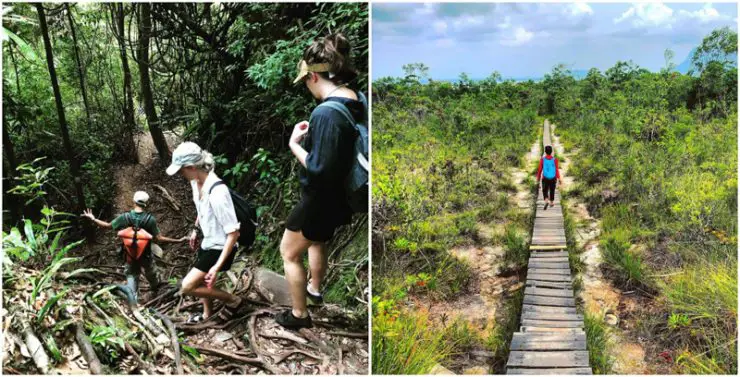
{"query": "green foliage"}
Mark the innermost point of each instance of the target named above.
(31, 180)
(403, 343)
(599, 344)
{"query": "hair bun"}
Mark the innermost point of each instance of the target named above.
(340, 43)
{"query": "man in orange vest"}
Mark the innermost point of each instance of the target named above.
(142, 219)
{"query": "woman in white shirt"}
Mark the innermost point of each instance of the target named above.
(220, 227)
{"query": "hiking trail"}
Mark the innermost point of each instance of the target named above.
(551, 338)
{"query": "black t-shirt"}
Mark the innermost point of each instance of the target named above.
(330, 147)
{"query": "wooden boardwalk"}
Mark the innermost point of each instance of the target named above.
(551, 338)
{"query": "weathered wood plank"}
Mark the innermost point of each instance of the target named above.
(548, 284)
(548, 359)
(552, 316)
(548, 254)
(553, 265)
(569, 371)
(529, 308)
(549, 301)
(528, 329)
(549, 271)
(537, 259)
(549, 292)
(555, 342)
(545, 323)
(549, 277)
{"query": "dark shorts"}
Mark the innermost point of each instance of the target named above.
(208, 258)
(317, 218)
(548, 188)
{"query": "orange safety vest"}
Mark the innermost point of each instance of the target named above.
(135, 239)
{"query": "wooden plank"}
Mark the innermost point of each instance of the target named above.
(551, 329)
(552, 316)
(549, 338)
(549, 301)
(548, 284)
(538, 259)
(555, 342)
(540, 371)
(528, 308)
(545, 323)
(548, 359)
(549, 292)
(548, 247)
(549, 277)
(548, 271)
(548, 255)
(552, 265)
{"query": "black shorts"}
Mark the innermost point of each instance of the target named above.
(208, 258)
(317, 218)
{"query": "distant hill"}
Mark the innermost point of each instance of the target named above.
(686, 63)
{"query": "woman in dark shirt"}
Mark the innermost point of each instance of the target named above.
(324, 148)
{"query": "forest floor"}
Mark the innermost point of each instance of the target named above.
(249, 344)
(601, 298)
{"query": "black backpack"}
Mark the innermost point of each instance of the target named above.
(246, 215)
(356, 183)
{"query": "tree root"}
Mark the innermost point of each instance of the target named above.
(173, 338)
(87, 350)
(258, 361)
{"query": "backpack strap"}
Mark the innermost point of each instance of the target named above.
(342, 109)
(214, 185)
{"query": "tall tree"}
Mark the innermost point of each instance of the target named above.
(118, 20)
(145, 29)
(78, 63)
(73, 163)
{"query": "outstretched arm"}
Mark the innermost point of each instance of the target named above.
(161, 238)
(88, 213)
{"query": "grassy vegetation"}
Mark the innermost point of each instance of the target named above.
(657, 162)
(598, 343)
(441, 155)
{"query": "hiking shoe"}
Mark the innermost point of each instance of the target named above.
(313, 299)
(289, 321)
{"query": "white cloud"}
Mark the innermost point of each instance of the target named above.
(705, 14)
(426, 10)
(647, 14)
(440, 26)
(520, 37)
(467, 21)
(577, 9)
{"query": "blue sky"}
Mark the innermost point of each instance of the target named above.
(528, 39)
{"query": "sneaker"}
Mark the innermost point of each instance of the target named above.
(289, 321)
(313, 298)
(544, 209)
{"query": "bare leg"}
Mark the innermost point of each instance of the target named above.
(317, 261)
(292, 247)
(194, 285)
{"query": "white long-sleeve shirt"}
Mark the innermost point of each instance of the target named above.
(216, 214)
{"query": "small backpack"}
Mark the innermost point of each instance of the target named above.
(548, 168)
(356, 183)
(246, 215)
(135, 239)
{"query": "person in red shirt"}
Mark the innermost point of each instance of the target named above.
(549, 172)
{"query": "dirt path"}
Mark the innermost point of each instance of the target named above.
(599, 296)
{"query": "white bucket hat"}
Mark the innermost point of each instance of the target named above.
(186, 154)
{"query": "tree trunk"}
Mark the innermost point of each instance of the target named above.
(13, 202)
(118, 18)
(73, 164)
(15, 68)
(145, 28)
(78, 62)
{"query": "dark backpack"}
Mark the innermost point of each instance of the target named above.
(246, 215)
(356, 183)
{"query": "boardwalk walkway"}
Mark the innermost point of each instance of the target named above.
(551, 338)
